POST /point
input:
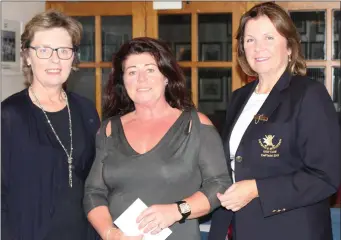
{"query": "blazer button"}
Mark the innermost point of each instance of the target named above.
(239, 159)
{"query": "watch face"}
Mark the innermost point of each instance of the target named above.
(185, 208)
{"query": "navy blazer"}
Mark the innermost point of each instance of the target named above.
(293, 152)
(27, 212)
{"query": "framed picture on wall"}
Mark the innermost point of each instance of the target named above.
(211, 89)
(320, 27)
(10, 46)
(301, 27)
(211, 51)
(183, 51)
(316, 50)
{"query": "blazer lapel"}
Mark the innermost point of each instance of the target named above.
(271, 103)
(234, 113)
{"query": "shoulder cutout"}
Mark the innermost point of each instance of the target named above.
(108, 129)
(204, 119)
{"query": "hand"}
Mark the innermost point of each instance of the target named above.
(157, 217)
(239, 195)
(119, 235)
(123, 237)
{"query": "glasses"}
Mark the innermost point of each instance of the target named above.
(63, 53)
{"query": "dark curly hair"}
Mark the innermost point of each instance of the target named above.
(116, 99)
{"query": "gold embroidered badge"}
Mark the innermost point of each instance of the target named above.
(269, 148)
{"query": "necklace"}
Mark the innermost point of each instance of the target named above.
(69, 155)
(257, 90)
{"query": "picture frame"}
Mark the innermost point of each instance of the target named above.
(301, 27)
(320, 27)
(10, 46)
(316, 50)
(211, 51)
(183, 51)
(211, 89)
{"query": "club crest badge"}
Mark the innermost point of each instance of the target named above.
(270, 149)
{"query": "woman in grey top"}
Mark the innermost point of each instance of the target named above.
(154, 146)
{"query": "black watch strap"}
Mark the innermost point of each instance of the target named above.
(185, 213)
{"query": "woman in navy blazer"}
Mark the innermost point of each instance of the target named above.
(282, 139)
(48, 139)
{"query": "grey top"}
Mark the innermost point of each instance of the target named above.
(189, 158)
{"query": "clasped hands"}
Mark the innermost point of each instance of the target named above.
(238, 195)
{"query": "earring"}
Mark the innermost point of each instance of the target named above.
(289, 58)
(166, 81)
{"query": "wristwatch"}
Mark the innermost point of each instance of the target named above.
(184, 209)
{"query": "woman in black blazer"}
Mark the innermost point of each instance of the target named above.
(48, 139)
(282, 139)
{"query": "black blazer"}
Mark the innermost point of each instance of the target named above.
(294, 155)
(25, 147)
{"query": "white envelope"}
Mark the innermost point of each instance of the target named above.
(126, 222)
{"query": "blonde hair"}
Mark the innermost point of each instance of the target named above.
(44, 21)
(284, 25)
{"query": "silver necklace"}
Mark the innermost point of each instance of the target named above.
(69, 155)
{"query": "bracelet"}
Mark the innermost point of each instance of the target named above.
(108, 232)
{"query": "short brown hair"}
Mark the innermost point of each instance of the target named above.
(284, 25)
(48, 20)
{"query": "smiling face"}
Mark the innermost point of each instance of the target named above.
(53, 71)
(265, 49)
(143, 80)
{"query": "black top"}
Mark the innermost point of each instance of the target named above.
(294, 156)
(36, 201)
(189, 158)
(68, 222)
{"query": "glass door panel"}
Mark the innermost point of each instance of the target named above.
(201, 36)
(115, 31)
(86, 51)
(176, 31)
(215, 89)
(215, 37)
(312, 28)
